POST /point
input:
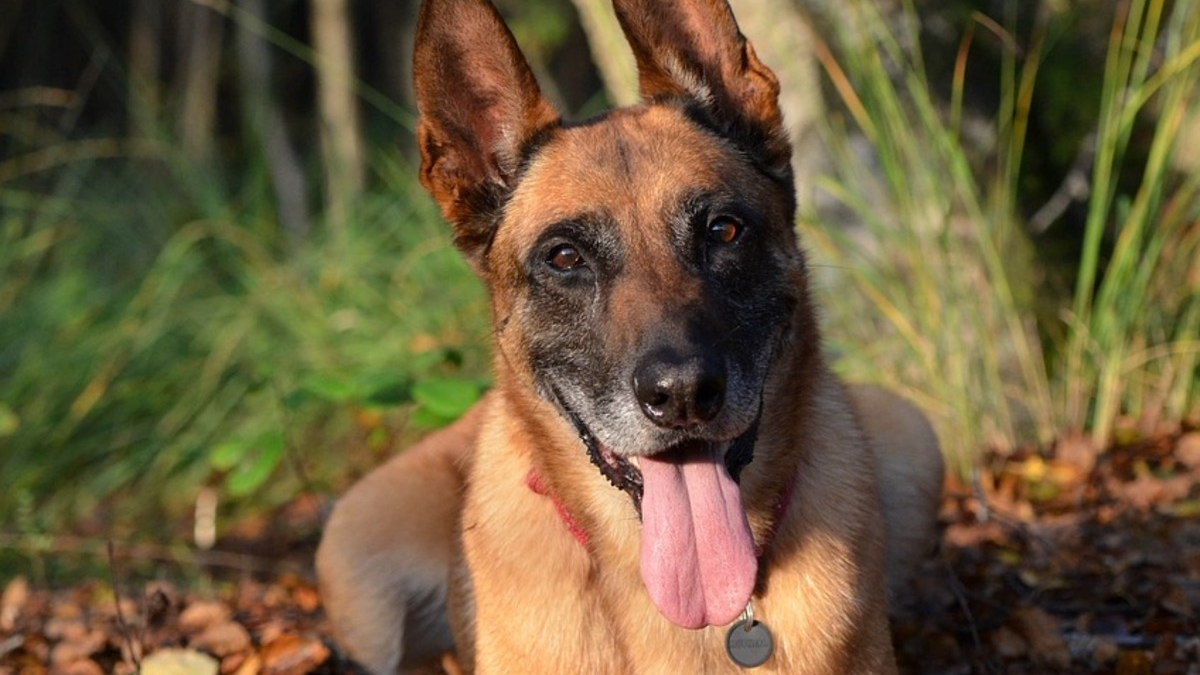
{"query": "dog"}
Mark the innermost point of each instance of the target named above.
(665, 457)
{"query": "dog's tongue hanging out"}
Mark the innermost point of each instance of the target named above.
(698, 559)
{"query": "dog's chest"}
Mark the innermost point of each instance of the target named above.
(554, 604)
(565, 615)
(655, 647)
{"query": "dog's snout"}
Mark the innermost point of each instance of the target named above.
(680, 392)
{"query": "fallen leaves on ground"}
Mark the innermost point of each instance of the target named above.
(1062, 562)
(251, 628)
(1070, 562)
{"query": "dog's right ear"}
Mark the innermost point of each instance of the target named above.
(479, 106)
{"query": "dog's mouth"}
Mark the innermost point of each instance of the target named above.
(698, 559)
(622, 474)
(619, 471)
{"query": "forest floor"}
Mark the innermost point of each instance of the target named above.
(1068, 564)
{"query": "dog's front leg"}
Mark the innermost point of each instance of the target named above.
(386, 550)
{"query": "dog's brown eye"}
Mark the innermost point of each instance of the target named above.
(724, 230)
(565, 257)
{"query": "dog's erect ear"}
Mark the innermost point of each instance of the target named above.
(479, 106)
(692, 50)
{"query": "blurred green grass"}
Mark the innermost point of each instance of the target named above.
(953, 305)
(153, 342)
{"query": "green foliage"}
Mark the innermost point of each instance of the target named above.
(442, 401)
(540, 26)
(151, 343)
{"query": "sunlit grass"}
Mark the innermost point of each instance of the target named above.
(943, 270)
(1135, 320)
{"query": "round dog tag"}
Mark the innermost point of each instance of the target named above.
(749, 643)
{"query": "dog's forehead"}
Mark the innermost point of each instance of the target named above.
(631, 165)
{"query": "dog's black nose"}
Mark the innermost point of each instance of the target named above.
(678, 392)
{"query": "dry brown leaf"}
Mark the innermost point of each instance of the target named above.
(222, 639)
(1134, 663)
(306, 598)
(1008, 643)
(78, 667)
(271, 630)
(12, 601)
(1179, 601)
(60, 628)
(251, 666)
(1187, 450)
(292, 654)
(201, 614)
(77, 646)
(1105, 651)
(231, 662)
(1077, 450)
(1044, 634)
(975, 534)
(1143, 492)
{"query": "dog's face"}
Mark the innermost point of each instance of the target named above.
(643, 267)
(649, 270)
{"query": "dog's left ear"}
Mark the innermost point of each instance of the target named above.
(479, 106)
(692, 50)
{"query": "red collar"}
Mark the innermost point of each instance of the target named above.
(534, 481)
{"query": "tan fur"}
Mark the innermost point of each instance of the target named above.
(454, 516)
(379, 518)
(910, 477)
(372, 535)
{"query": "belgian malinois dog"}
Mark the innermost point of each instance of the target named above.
(665, 458)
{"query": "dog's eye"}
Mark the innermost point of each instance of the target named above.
(724, 230)
(565, 257)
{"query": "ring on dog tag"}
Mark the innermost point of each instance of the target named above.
(748, 642)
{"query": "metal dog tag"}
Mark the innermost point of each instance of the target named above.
(749, 643)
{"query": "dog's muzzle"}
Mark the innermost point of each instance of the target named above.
(623, 475)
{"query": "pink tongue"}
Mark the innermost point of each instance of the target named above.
(698, 559)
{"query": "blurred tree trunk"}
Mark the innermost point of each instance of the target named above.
(268, 127)
(610, 51)
(9, 12)
(393, 25)
(341, 146)
(782, 37)
(200, 31)
(145, 26)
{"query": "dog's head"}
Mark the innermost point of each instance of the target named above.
(643, 265)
